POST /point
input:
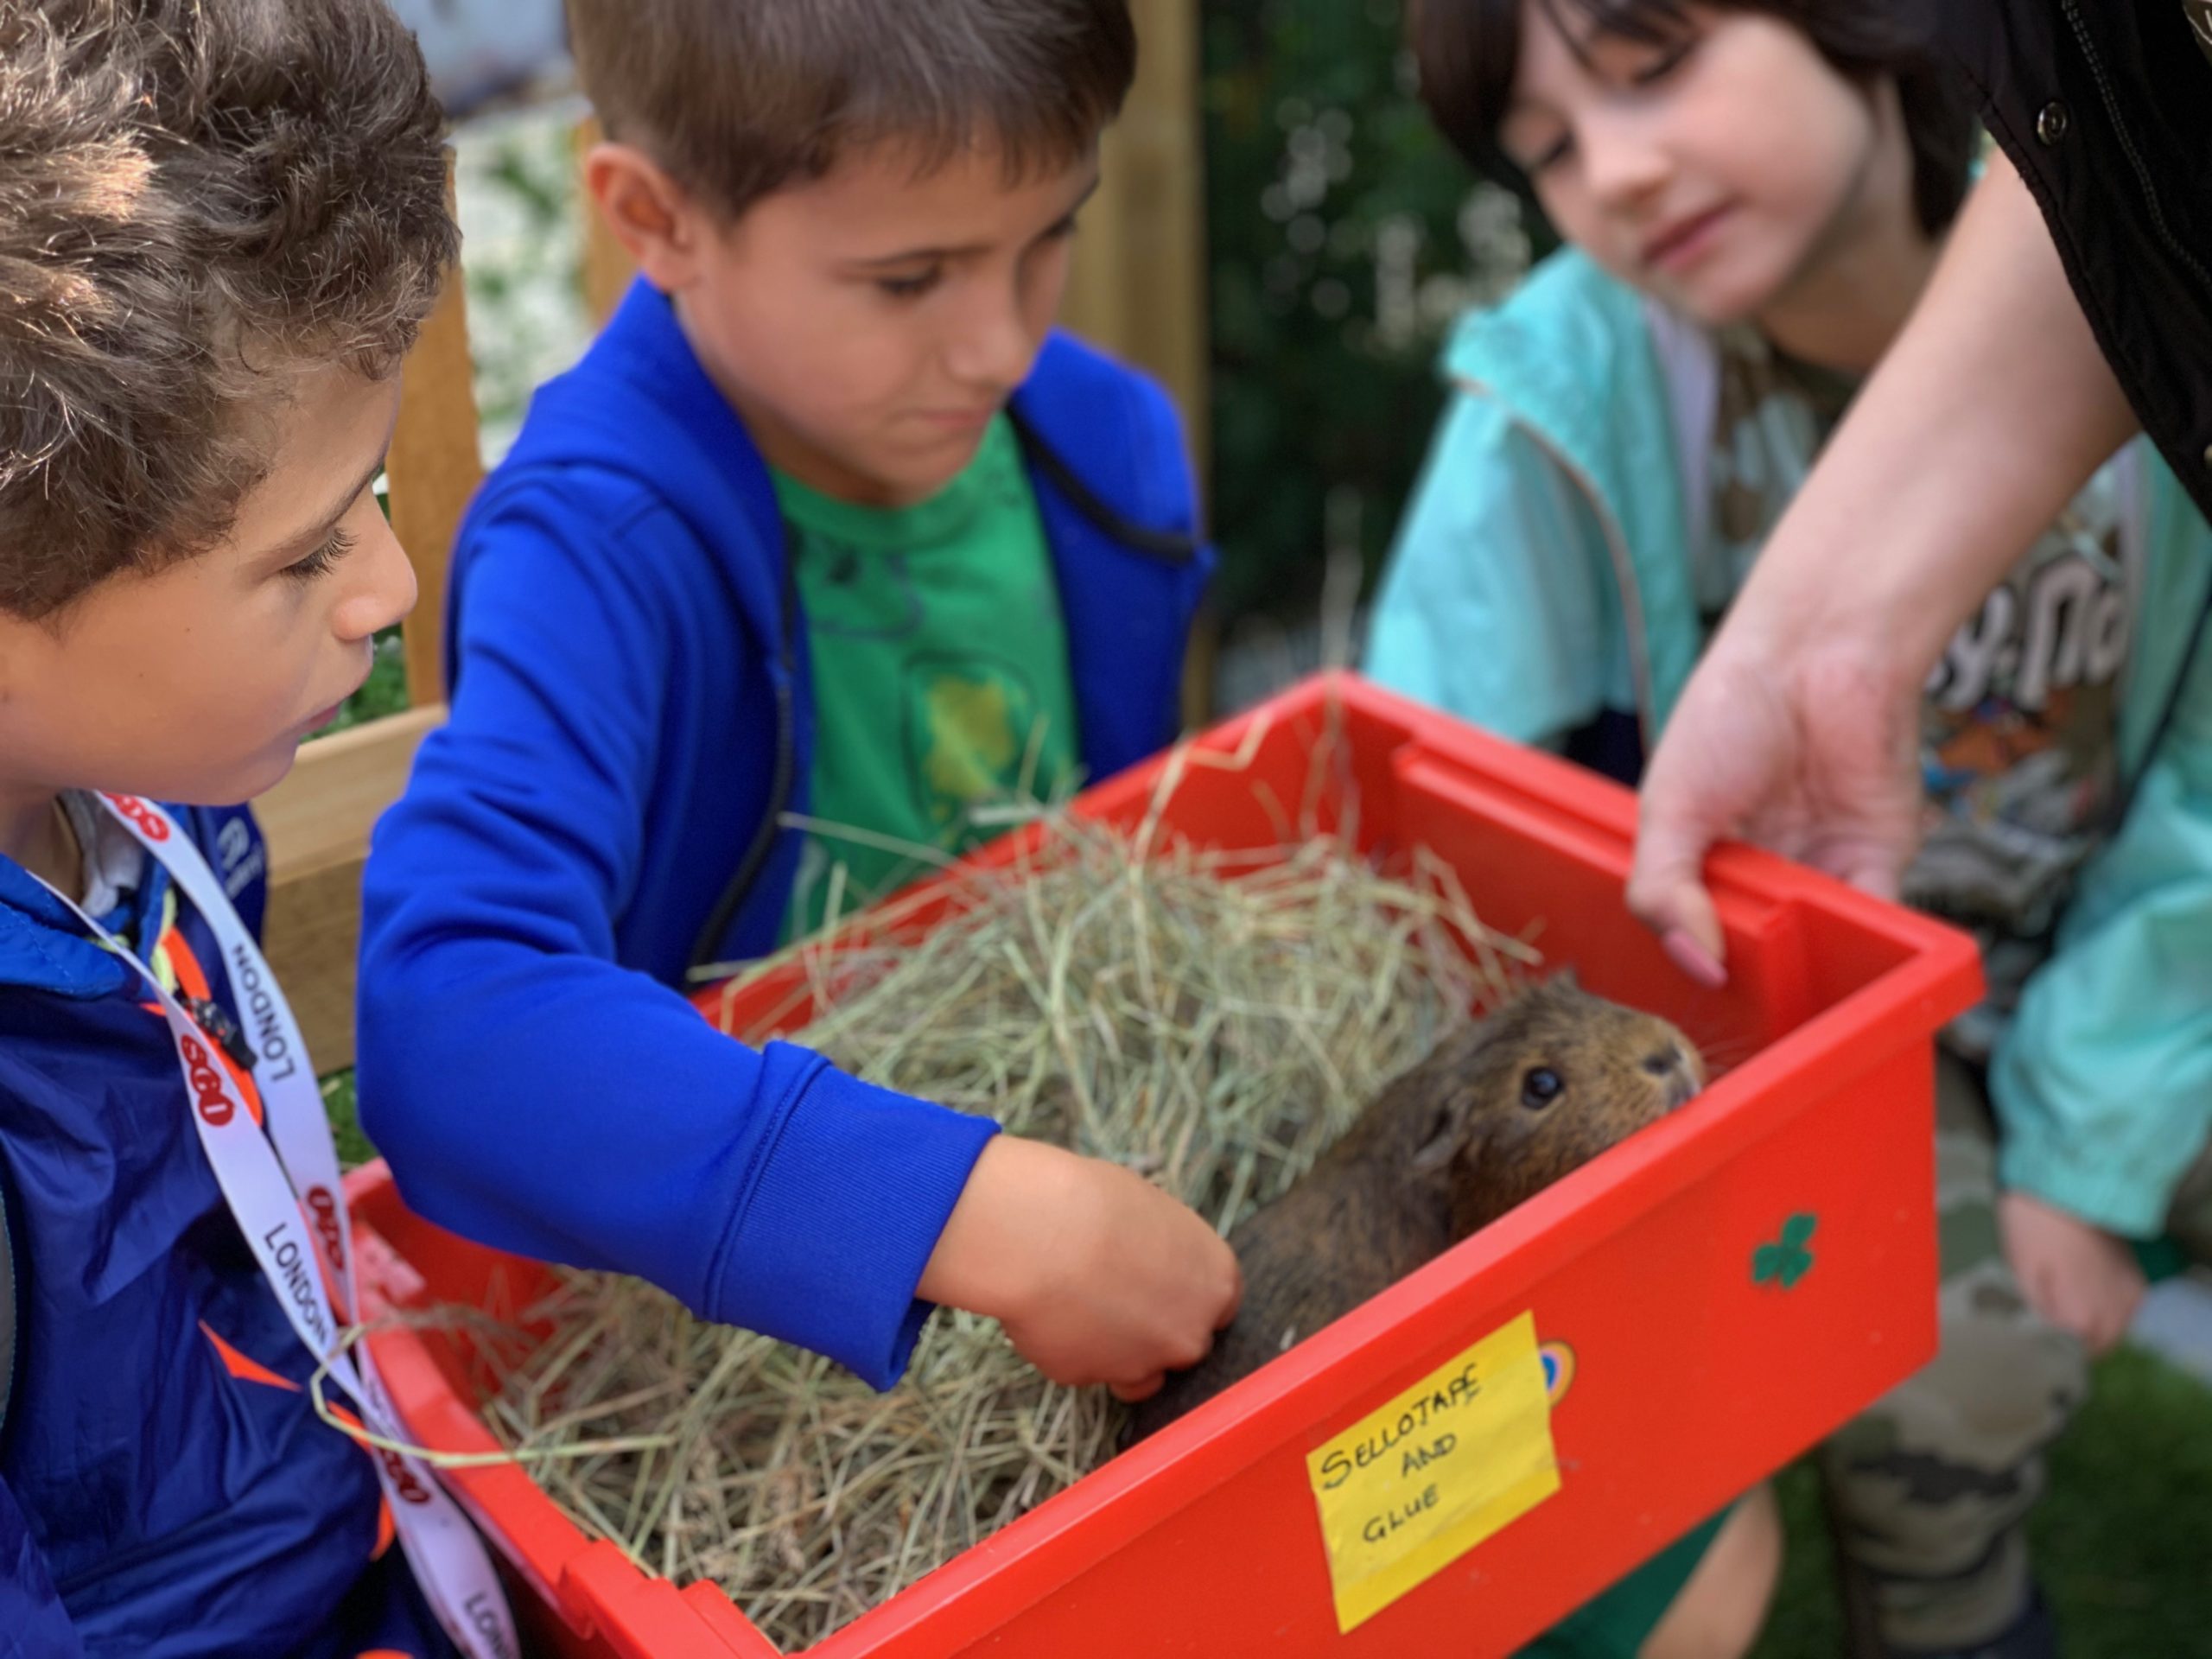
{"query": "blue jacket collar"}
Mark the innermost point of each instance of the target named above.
(640, 401)
(43, 947)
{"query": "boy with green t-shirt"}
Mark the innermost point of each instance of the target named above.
(828, 553)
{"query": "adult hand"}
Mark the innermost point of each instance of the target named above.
(1797, 730)
(2078, 1277)
(1810, 752)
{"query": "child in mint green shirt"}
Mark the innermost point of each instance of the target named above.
(1754, 198)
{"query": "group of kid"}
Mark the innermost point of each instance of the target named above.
(830, 527)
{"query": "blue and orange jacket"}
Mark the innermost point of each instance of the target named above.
(630, 720)
(166, 1488)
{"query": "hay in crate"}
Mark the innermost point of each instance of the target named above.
(1211, 1019)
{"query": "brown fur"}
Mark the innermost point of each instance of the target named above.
(1445, 1150)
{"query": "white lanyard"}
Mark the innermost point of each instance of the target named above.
(292, 1214)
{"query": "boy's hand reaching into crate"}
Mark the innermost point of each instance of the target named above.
(1096, 1274)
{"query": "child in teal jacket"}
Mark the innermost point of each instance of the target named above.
(1754, 198)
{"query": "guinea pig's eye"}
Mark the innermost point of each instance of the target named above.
(1540, 1087)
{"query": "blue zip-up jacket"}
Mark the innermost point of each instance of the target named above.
(157, 1500)
(631, 714)
(1541, 585)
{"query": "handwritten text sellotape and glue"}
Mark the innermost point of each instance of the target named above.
(1409, 1489)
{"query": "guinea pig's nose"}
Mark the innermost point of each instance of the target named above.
(1675, 1069)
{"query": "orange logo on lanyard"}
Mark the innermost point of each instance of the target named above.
(410, 1489)
(151, 823)
(207, 1097)
(323, 1208)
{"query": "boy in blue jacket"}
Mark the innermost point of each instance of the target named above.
(827, 528)
(220, 222)
(1755, 197)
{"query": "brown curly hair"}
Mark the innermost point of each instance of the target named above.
(198, 199)
(739, 98)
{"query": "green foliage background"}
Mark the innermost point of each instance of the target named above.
(1344, 234)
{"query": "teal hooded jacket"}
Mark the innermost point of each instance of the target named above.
(1541, 580)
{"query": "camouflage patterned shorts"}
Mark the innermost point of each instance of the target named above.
(1929, 1489)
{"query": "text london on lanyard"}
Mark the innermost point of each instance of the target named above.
(293, 1213)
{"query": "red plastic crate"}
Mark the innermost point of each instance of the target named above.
(1696, 1371)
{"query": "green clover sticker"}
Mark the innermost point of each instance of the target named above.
(1787, 1262)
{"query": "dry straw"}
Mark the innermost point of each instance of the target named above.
(1211, 1019)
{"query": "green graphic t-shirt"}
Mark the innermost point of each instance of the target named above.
(941, 682)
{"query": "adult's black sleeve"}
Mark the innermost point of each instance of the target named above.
(2106, 108)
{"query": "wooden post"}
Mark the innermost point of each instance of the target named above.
(1139, 287)
(317, 821)
(434, 467)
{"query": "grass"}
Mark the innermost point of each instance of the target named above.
(2123, 1544)
(2124, 1547)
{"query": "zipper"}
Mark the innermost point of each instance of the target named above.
(214, 1021)
(10, 1317)
(1171, 547)
(1616, 547)
(1167, 546)
(747, 876)
(2131, 782)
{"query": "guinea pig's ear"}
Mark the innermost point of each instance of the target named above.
(1568, 976)
(1445, 1138)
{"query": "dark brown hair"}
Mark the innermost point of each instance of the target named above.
(738, 98)
(1469, 50)
(197, 199)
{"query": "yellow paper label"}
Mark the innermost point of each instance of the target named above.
(1406, 1491)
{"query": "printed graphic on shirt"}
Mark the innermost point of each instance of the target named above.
(2019, 727)
(974, 729)
(940, 673)
(2019, 745)
(1773, 416)
(854, 597)
(2198, 14)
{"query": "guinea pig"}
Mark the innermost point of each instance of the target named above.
(1497, 1113)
